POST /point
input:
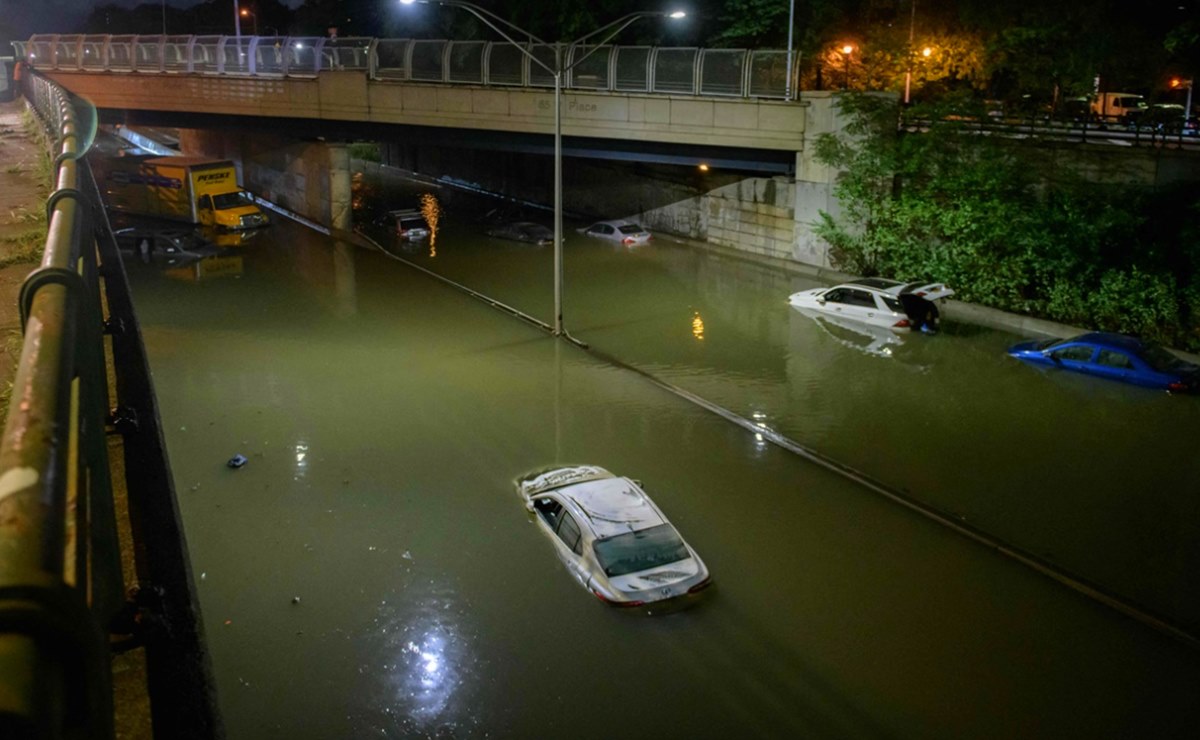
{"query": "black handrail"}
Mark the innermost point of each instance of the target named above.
(61, 586)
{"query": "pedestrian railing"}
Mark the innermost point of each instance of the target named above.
(736, 73)
(62, 591)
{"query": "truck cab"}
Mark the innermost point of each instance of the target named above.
(234, 210)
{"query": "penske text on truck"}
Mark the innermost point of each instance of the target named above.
(192, 189)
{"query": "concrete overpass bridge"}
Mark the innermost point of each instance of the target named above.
(731, 110)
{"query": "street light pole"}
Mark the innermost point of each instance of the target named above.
(787, 94)
(491, 20)
(237, 19)
(252, 15)
(912, 22)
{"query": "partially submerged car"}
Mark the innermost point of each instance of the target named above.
(890, 304)
(1113, 357)
(410, 224)
(629, 233)
(611, 536)
(523, 231)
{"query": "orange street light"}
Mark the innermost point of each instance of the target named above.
(847, 50)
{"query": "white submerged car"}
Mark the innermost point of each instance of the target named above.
(611, 536)
(877, 301)
(629, 233)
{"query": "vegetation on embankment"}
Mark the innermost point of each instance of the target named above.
(25, 183)
(982, 214)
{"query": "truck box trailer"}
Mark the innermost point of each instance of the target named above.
(1117, 107)
(191, 189)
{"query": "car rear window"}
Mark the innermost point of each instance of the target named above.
(631, 229)
(641, 550)
(893, 304)
(1162, 360)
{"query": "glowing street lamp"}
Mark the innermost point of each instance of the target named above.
(1176, 84)
(847, 50)
(494, 22)
(248, 14)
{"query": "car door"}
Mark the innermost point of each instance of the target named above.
(570, 540)
(1114, 365)
(860, 305)
(1075, 357)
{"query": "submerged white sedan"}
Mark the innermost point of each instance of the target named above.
(879, 302)
(611, 536)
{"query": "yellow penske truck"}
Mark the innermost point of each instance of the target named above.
(192, 189)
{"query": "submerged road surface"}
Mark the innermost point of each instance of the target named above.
(370, 571)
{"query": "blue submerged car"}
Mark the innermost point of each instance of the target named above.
(1113, 356)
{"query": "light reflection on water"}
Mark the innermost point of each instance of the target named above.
(429, 659)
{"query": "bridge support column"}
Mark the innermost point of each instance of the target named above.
(311, 178)
(341, 213)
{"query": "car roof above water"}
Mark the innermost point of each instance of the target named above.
(877, 283)
(612, 505)
(1113, 341)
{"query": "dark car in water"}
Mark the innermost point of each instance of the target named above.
(522, 231)
(1113, 357)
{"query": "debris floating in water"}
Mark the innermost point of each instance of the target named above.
(236, 461)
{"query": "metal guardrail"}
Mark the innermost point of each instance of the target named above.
(735, 73)
(60, 572)
(62, 594)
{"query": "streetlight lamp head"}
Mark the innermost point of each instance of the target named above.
(847, 49)
(926, 51)
(677, 14)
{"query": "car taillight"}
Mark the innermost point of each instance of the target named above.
(1178, 386)
(920, 294)
(627, 240)
(610, 602)
(700, 586)
(901, 324)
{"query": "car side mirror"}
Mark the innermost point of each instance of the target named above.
(821, 301)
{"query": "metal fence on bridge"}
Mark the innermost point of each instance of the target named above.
(737, 73)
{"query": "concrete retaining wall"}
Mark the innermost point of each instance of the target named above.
(767, 217)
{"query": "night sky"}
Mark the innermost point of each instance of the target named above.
(19, 19)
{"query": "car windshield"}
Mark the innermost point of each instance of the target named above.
(641, 550)
(236, 199)
(1162, 360)
(631, 229)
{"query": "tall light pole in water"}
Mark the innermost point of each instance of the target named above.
(237, 19)
(494, 22)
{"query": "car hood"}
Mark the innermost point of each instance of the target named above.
(1028, 347)
(806, 297)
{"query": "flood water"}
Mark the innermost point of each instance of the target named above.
(370, 572)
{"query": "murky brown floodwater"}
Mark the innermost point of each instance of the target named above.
(384, 416)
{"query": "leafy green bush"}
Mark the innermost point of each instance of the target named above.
(980, 213)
